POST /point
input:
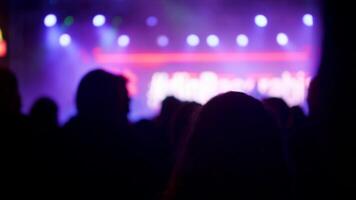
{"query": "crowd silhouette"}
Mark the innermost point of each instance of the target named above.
(232, 147)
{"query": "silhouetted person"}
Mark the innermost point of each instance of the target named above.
(169, 107)
(45, 135)
(15, 136)
(44, 114)
(10, 102)
(182, 123)
(233, 153)
(297, 118)
(296, 124)
(103, 150)
(279, 109)
(311, 149)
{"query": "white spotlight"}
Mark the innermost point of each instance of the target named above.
(261, 20)
(50, 20)
(308, 20)
(193, 40)
(123, 40)
(282, 39)
(212, 40)
(242, 40)
(162, 41)
(65, 40)
(99, 20)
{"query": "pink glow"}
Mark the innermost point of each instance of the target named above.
(163, 58)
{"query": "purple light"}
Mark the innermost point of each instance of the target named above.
(261, 21)
(50, 20)
(65, 40)
(193, 40)
(99, 20)
(212, 40)
(162, 41)
(151, 21)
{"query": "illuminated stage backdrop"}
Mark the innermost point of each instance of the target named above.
(193, 51)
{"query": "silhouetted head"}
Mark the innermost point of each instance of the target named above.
(234, 151)
(233, 120)
(169, 106)
(297, 117)
(44, 112)
(314, 99)
(279, 110)
(10, 102)
(103, 96)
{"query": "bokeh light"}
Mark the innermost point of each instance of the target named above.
(123, 40)
(99, 20)
(65, 40)
(261, 21)
(50, 20)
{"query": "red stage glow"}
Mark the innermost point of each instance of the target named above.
(3, 49)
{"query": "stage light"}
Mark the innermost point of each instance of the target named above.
(68, 21)
(242, 40)
(65, 40)
(162, 41)
(282, 39)
(1, 37)
(151, 21)
(212, 40)
(193, 40)
(308, 20)
(261, 20)
(99, 20)
(123, 40)
(3, 48)
(50, 20)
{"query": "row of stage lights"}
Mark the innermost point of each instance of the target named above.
(192, 40)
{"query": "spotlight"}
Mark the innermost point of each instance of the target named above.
(162, 41)
(242, 40)
(99, 20)
(50, 20)
(212, 40)
(282, 39)
(261, 20)
(151, 21)
(65, 40)
(193, 40)
(123, 40)
(308, 20)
